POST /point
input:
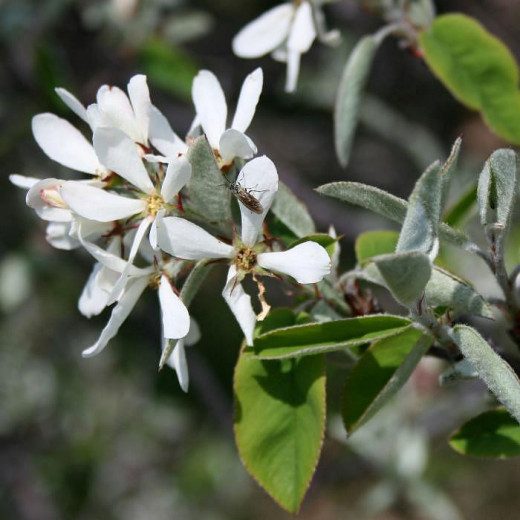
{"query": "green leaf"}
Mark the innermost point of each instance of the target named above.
(316, 338)
(293, 213)
(167, 67)
(458, 214)
(477, 68)
(281, 318)
(383, 203)
(491, 368)
(380, 372)
(497, 188)
(348, 101)
(209, 195)
(405, 274)
(374, 243)
(491, 434)
(421, 223)
(322, 239)
(280, 423)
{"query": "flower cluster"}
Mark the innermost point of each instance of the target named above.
(132, 214)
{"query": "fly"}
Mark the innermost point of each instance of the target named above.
(245, 196)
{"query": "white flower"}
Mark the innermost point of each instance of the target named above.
(44, 197)
(119, 153)
(211, 108)
(65, 144)
(133, 114)
(287, 30)
(175, 317)
(307, 262)
(177, 357)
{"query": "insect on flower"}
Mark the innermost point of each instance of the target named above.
(245, 196)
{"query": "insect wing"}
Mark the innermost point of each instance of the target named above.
(248, 200)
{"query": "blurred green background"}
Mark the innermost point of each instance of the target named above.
(109, 437)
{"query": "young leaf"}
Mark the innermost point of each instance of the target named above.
(383, 203)
(491, 434)
(444, 289)
(477, 68)
(381, 371)
(405, 274)
(209, 195)
(421, 224)
(447, 290)
(280, 423)
(448, 168)
(491, 368)
(317, 338)
(293, 213)
(348, 100)
(374, 243)
(496, 188)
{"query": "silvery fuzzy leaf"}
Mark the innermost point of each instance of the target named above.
(292, 212)
(491, 368)
(405, 274)
(209, 195)
(385, 204)
(448, 168)
(348, 100)
(496, 188)
(421, 224)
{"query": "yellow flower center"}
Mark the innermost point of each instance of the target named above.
(153, 204)
(245, 259)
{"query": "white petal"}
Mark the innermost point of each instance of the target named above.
(93, 298)
(163, 137)
(248, 99)
(210, 105)
(240, 304)
(175, 317)
(177, 176)
(34, 199)
(117, 111)
(303, 31)
(186, 240)
(152, 237)
(96, 118)
(64, 143)
(58, 236)
(120, 312)
(194, 334)
(73, 103)
(21, 181)
(177, 361)
(293, 71)
(260, 178)
(138, 238)
(97, 204)
(265, 33)
(119, 153)
(236, 144)
(307, 263)
(112, 261)
(140, 99)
